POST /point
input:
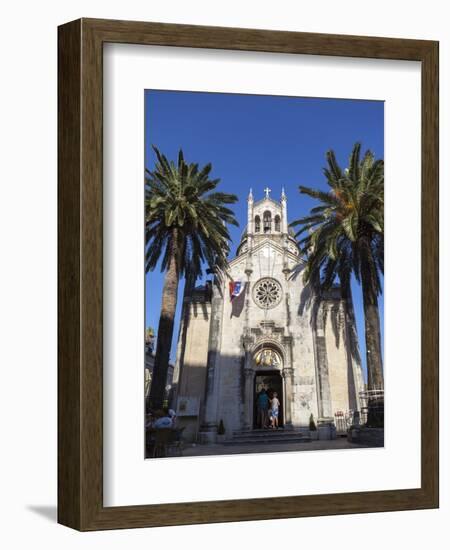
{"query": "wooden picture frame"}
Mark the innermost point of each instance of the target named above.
(80, 272)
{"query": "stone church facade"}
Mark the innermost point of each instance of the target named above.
(272, 334)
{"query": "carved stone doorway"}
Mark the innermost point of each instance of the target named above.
(271, 381)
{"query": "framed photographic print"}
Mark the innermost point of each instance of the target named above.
(248, 274)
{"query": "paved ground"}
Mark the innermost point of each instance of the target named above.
(209, 450)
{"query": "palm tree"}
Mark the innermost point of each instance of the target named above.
(345, 236)
(185, 229)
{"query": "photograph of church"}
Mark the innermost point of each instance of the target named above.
(268, 305)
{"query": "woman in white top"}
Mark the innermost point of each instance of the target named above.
(274, 410)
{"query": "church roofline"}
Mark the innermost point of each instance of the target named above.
(267, 199)
(260, 245)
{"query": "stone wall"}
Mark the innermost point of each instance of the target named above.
(193, 374)
(192, 361)
(338, 372)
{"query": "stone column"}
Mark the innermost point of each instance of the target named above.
(249, 259)
(247, 339)
(288, 377)
(250, 214)
(248, 392)
(322, 374)
(284, 222)
(284, 231)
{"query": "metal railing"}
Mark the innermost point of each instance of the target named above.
(345, 419)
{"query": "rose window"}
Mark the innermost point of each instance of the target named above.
(267, 293)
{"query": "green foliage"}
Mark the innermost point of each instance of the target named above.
(312, 424)
(221, 428)
(184, 217)
(185, 228)
(345, 233)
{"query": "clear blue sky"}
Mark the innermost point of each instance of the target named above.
(254, 141)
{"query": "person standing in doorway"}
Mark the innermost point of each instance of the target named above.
(274, 411)
(262, 404)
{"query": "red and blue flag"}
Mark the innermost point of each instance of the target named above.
(235, 289)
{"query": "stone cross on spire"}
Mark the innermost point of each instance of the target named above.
(267, 191)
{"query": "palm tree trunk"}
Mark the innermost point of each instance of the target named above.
(165, 328)
(373, 339)
(189, 286)
(353, 354)
(373, 353)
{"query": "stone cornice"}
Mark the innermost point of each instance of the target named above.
(261, 245)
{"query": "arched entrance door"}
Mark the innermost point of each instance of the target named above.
(267, 366)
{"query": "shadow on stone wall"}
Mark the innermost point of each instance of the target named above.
(238, 303)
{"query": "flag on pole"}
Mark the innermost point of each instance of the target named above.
(235, 289)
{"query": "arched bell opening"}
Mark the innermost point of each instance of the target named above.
(267, 221)
(277, 223)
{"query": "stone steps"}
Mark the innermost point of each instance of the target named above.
(251, 437)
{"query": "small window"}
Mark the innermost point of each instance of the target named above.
(257, 224)
(277, 223)
(267, 221)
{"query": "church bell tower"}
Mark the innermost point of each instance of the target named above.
(267, 220)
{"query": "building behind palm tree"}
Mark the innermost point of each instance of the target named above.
(148, 373)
